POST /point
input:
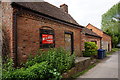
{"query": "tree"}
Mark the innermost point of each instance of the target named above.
(111, 23)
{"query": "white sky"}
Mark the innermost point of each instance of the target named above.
(86, 11)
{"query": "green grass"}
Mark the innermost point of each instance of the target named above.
(115, 49)
(108, 53)
(83, 72)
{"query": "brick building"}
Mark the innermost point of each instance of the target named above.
(90, 36)
(29, 26)
(106, 39)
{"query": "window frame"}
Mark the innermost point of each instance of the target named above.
(72, 40)
(49, 32)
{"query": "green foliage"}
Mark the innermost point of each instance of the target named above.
(115, 49)
(7, 69)
(111, 22)
(37, 71)
(108, 53)
(90, 49)
(59, 59)
(8, 66)
(47, 66)
(114, 40)
(19, 74)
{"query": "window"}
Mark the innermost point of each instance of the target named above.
(47, 38)
(94, 42)
(69, 42)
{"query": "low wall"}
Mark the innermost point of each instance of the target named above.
(80, 65)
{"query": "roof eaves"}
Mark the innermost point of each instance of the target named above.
(94, 27)
(92, 35)
(53, 18)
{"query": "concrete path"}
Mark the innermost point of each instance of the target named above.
(106, 69)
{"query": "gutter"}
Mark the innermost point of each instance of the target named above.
(92, 35)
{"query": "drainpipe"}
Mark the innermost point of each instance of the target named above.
(101, 43)
(15, 38)
(15, 41)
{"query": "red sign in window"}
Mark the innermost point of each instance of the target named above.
(47, 39)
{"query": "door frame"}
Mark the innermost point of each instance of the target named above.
(72, 40)
(108, 47)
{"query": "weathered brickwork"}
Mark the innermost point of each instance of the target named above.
(22, 29)
(28, 34)
(94, 29)
(106, 39)
(7, 23)
(87, 38)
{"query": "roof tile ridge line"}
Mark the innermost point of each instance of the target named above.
(93, 35)
(92, 31)
(62, 11)
(51, 4)
(57, 8)
(98, 29)
(50, 16)
(95, 27)
(54, 17)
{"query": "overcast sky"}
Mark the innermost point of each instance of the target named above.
(86, 11)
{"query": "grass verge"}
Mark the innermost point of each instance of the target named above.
(108, 53)
(112, 51)
(115, 49)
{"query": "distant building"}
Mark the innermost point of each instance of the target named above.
(89, 36)
(106, 39)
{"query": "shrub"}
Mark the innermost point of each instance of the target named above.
(7, 69)
(41, 69)
(21, 74)
(36, 72)
(58, 59)
(47, 66)
(90, 49)
(8, 66)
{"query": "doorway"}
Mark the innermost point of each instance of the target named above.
(108, 47)
(69, 42)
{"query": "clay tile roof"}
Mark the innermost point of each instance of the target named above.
(48, 9)
(89, 32)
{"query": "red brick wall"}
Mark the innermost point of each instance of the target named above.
(106, 39)
(94, 29)
(7, 23)
(86, 38)
(28, 34)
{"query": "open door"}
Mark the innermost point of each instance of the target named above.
(69, 41)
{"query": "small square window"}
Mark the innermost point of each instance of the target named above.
(47, 38)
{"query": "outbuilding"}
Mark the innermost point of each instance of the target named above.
(89, 36)
(106, 39)
(30, 26)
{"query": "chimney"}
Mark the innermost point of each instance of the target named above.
(64, 8)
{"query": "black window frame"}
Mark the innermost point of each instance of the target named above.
(49, 32)
(72, 40)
